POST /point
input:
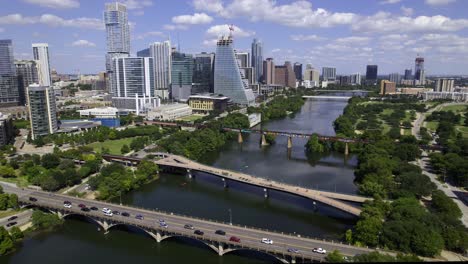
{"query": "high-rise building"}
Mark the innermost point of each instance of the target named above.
(202, 78)
(182, 72)
(41, 56)
(371, 73)
(280, 75)
(328, 74)
(408, 74)
(161, 54)
(9, 94)
(7, 131)
(133, 83)
(311, 74)
(227, 75)
(395, 77)
(143, 53)
(257, 60)
(243, 58)
(298, 71)
(42, 110)
(355, 79)
(118, 35)
(27, 75)
(345, 80)
(444, 85)
(387, 87)
(284, 75)
(269, 71)
(290, 75)
(248, 74)
(418, 67)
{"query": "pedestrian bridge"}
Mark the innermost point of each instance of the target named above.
(336, 200)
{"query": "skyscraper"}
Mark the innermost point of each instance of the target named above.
(257, 59)
(419, 74)
(182, 72)
(355, 79)
(244, 59)
(41, 56)
(269, 71)
(161, 54)
(444, 85)
(27, 75)
(143, 53)
(408, 74)
(298, 71)
(328, 74)
(203, 73)
(9, 95)
(371, 73)
(133, 83)
(280, 75)
(394, 77)
(227, 76)
(118, 35)
(42, 110)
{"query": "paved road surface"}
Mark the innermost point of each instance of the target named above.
(23, 218)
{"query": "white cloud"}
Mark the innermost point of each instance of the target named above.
(83, 43)
(353, 40)
(295, 14)
(151, 34)
(390, 2)
(306, 37)
(137, 4)
(209, 42)
(275, 50)
(223, 30)
(439, 2)
(208, 5)
(56, 4)
(386, 22)
(175, 27)
(197, 18)
(407, 11)
(53, 21)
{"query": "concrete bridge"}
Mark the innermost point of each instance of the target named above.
(327, 97)
(332, 199)
(250, 238)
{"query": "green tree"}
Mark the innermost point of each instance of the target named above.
(6, 242)
(50, 161)
(367, 231)
(125, 149)
(444, 206)
(7, 172)
(335, 257)
(13, 201)
(4, 201)
(313, 145)
(41, 220)
(16, 233)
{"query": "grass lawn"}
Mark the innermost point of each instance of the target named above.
(454, 108)
(407, 132)
(20, 181)
(190, 118)
(7, 213)
(387, 111)
(114, 146)
(20, 123)
(463, 130)
(432, 125)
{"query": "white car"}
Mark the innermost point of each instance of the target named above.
(267, 241)
(319, 250)
(106, 210)
(108, 213)
(67, 205)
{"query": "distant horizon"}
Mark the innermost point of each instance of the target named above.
(348, 35)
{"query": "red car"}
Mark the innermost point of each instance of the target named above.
(81, 205)
(234, 239)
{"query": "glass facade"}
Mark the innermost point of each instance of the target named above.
(27, 75)
(9, 94)
(203, 73)
(228, 79)
(181, 72)
(133, 76)
(161, 54)
(257, 59)
(117, 28)
(42, 110)
(41, 56)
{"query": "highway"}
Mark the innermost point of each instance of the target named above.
(23, 218)
(250, 237)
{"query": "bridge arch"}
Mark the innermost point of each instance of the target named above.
(193, 239)
(87, 218)
(129, 227)
(263, 254)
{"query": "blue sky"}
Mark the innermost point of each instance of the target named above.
(346, 34)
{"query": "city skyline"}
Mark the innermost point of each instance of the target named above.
(323, 33)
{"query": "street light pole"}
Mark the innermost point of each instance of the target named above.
(230, 216)
(120, 194)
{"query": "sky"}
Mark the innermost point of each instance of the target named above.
(346, 34)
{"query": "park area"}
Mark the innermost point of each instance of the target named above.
(114, 146)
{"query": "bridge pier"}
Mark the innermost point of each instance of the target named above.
(240, 140)
(158, 237)
(265, 192)
(346, 151)
(225, 184)
(289, 142)
(264, 142)
(293, 260)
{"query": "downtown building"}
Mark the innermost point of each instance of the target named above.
(42, 110)
(355, 79)
(285, 76)
(371, 74)
(41, 57)
(133, 84)
(182, 73)
(7, 131)
(328, 74)
(27, 73)
(444, 85)
(161, 52)
(419, 72)
(202, 79)
(118, 37)
(298, 72)
(257, 61)
(395, 77)
(269, 71)
(9, 93)
(228, 78)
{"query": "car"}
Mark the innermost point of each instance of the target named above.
(108, 213)
(81, 206)
(85, 209)
(116, 212)
(198, 232)
(267, 241)
(125, 214)
(234, 239)
(66, 202)
(161, 221)
(12, 218)
(220, 232)
(319, 250)
(32, 199)
(187, 226)
(104, 210)
(94, 208)
(163, 225)
(11, 224)
(139, 217)
(293, 250)
(67, 205)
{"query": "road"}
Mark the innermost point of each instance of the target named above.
(23, 218)
(250, 237)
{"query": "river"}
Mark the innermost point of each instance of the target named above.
(204, 196)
